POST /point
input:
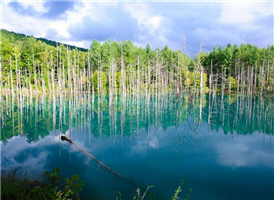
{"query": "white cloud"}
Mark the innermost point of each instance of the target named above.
(38, 6)
(244, 12)
(140, 11)
(158, 24)
(22, 24)
(33, 163)
(39, 27)
(244, 151)
(83, 44)
(82, 10)
(61, 27)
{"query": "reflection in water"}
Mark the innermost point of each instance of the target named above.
(158, 140)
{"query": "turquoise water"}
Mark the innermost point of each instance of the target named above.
(221, 148)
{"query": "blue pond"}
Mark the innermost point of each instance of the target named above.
(222, 148)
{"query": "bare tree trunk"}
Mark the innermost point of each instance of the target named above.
(201, 81)
(74, 81)
(138, 80)
(223, 83)
(272, 72)
(251, 80)
(216, 81)
(48, 77)
(64, 80)
(122, 83)
(35, 80)
(43, 82)
(11, 80)
(26, 83)
(255, 78)
(195, 81)
(92, 79)
(238, 80)
(186, 64)
(17, 79)
(59, 81)
(262, 79)
(53, 87)
(74, 75)
(69, 76)
(113, 78)
(242, 81)
(267, 72)
(178, 74)
(30, 85)
(138, 88)
(100, 77)
(110, 82)
(210, 78)
(110, 89)
(229, 84)
(148, 80)
(180, 78)
(248, 81)
(98, 80)
(57, 58)
(201, 69)
(1, 83)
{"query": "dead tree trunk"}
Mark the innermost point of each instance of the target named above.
(210, 78)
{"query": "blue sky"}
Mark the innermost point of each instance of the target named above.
(157, 23)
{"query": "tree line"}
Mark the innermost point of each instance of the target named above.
(30, 65)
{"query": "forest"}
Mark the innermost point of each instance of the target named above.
(31, 65)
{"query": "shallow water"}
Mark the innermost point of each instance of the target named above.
(222, 149)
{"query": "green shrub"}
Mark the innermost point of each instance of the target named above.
(50, 187)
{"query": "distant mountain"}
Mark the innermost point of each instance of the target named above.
(12, 36)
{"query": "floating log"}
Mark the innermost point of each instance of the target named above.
(98, 161)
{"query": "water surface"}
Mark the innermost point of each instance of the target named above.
(221, 148)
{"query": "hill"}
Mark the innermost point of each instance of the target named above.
(13, 37)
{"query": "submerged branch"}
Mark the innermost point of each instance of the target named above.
(98, 161)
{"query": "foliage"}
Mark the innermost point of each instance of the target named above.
(102, 77)
(32, 56)
(139, 196)
(179, 190)
(246, 54)
(21, 37)
(233, 82)
(51, 187)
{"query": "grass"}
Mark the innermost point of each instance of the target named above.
(178, 191)
(139, 196)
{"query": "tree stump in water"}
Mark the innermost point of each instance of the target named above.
(65, 138)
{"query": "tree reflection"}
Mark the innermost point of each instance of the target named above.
(35, 116)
